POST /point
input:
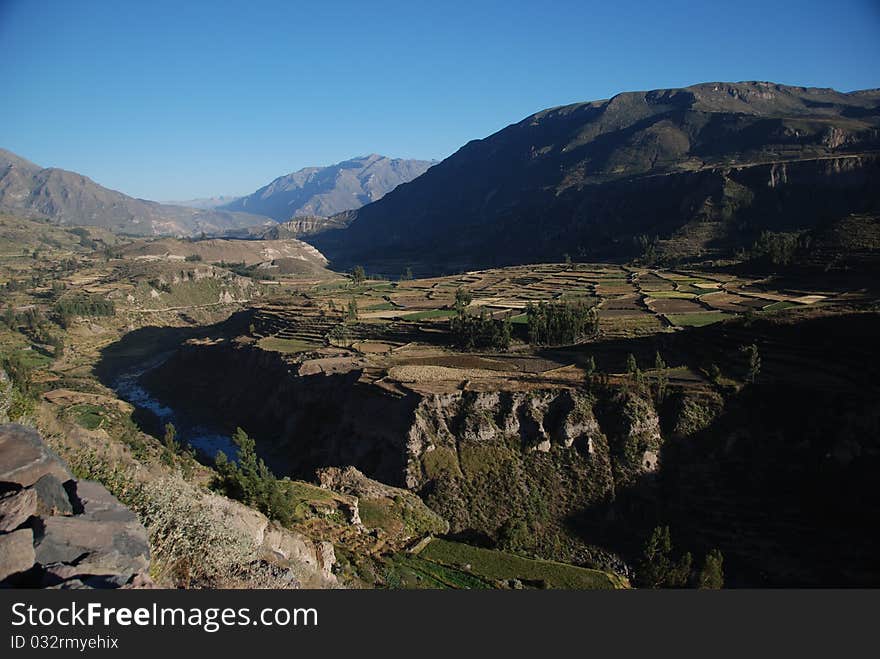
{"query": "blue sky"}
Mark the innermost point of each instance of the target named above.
(175, 100)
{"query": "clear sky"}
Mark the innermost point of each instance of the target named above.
(181, 99)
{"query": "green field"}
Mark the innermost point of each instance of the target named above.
(678, 295)
(429, 315)
(90, 417)
(286, 346)
(699, 319)
(496, 565)
(779, 306)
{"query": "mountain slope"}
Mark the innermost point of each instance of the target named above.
(70, 198)
(325, 191)
(699, 171)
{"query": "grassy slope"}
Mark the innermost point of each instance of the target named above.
(496, 565)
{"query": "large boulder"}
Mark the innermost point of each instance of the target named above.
(16, 508)
(16, 553)
(52, 497)
(58, 532)
(25, 458)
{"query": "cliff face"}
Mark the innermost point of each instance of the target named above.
(563, 471)
(486, 461)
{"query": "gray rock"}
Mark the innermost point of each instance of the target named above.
(52, 498)
(16, 552)
(99, 505)
(16, 508)
(96, 546)
(24, 458)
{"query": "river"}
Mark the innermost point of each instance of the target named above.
(203, 439)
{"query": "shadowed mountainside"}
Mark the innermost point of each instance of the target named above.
(699, 172)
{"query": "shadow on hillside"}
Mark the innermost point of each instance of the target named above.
(147, 343)
(782, 481)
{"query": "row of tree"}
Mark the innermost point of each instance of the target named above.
(83, 305)
(561, 323)
(472, 332)
(659, 568)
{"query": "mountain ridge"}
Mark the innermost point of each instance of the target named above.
(585, 179)
(326, 191)
(70, 198)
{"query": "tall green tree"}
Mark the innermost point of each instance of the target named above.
(712, 573)
(358, 275)
(658, 568)
(250, 481)
(352, 311)
(753, 359)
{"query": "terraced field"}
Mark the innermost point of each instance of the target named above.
(631, 302)
(399, 339)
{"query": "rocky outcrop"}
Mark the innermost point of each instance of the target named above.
(313, 560)
(481, 460)
(59, 532)
(398, 513)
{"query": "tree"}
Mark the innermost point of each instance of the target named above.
(712, 574)
(471, 332)
(249, 480)
(407, 275)
(753, 358)
(632, 366)
(590, 366)
(170, 439)
(662, 376)
(352, 311)
(358, 275)
(657, 568)
(561, 323)
(463, 298)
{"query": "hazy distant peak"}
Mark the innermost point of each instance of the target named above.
(325, 191)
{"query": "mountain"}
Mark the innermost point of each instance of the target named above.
(692, 173)
(325, 191)
(204, 203)
(73, 199)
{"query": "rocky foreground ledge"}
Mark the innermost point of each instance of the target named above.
(59, 532)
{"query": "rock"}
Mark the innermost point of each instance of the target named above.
(78, 536)
(327, 557)
(141, 581)
(95, 546)
(98, 504)
(16, 508)
(16, 552)
(24, 458)
(52, 498)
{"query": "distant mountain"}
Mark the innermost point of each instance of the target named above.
(688, 173)
(73, 199)
(325, 191)
(204, 203)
